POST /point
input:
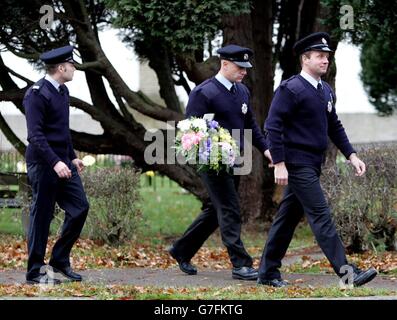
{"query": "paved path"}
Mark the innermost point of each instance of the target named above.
(173, 277)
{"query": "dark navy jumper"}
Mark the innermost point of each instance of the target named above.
(47, 118)
(299, 122)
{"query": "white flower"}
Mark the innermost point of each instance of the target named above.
(228, 154)
(184, 125)
(200, 124)
(88, 161)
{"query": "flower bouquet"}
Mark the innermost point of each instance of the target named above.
(206, 145)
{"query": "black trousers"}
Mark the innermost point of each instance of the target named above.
(302, 195)
(49, 189)
(224, 211)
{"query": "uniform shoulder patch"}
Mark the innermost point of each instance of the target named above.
(285, 82)
(40, 88)
(209, 89)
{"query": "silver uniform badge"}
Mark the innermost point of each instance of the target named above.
(330, 103)
(246, 56)
(329, 107)
(244, 108)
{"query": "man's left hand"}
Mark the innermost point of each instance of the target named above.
(269, 157)
(357, 164)
(78, 164)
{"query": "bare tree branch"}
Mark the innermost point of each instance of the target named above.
(91, 50)
(198, 71)
(28, 81)
(96, 144)
(11, 136)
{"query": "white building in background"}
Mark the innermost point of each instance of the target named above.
(356, 113)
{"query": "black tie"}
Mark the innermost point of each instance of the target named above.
(62, 89)
(233, 88)
(319, 87)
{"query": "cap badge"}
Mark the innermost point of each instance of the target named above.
(244, 108)
(324, 41)
(245, 56)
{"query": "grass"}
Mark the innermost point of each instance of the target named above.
(99, 291)
(167, 211)
(10, 221)
(393, 272)
(259, 293)
(298, 268)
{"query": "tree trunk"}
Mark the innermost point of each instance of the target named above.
(297, 19)
(255, 31)
(159, 61)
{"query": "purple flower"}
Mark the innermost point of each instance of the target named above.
(214, 124)
(209, 143)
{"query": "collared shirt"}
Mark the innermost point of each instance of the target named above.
(224, 81)
(55, 83)
(310, 79)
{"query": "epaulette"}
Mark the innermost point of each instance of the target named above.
(294, 84)
(285, 82)
(40, 88)
(37, 85)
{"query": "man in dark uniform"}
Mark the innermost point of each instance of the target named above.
(301, 117)
(228, 99)
(53, 168)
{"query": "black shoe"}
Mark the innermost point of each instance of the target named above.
(43, 279)
(277, 283)
(68, 273)
(184, 265)
(362, 277)
(245, 273)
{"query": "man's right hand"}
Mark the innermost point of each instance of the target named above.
(280, 174)
(62, 170)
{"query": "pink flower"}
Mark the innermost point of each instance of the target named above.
(198, 136)
(188, 140)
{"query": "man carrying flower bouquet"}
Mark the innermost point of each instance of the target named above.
(229, 100)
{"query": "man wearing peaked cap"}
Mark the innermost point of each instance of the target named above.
(59, 55)
(228, 100)
(239, 55)
(53, 168)
(318, 41)
(301, 118)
